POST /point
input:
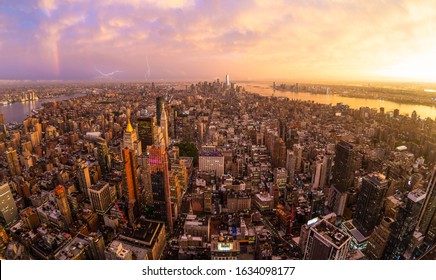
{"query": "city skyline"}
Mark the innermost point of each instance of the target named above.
(185, 40)
(225, 175)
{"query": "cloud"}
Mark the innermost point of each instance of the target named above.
(47, 6)
(261, 39)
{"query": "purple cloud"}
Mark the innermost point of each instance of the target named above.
(187, 39)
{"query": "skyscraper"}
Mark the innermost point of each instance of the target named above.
(290, 164)
(130, 139)
(427, 218)
(342, 177)
(145, 180)
(131, 183)
(8, 209)
(100, 197)
(227, 80)
(13, 163)
(131, 178)
(160, 184)
(298, 152)
(279, 153)
(378, 239)
(164, 127)
(176, 195)
(326, 242)
(62, 203)
(343, 168)
(405, 224)
(103, 156)
(146, 131)
(370, 203)
(159, 107)
(84, 178)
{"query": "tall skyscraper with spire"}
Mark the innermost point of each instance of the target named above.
(164, 127)
(130, 138)
(161, 122)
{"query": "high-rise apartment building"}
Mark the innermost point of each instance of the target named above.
(342, 177)
(8, 209)
(370, 203)
(343, 168)
(298, 153)
(405, 224)
(326, 242)
(100, 197)
(379, 238)
(13, 163)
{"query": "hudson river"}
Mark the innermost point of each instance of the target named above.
(17, 112)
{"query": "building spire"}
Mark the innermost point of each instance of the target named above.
(129, 127)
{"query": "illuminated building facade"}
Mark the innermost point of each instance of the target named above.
(225, 248)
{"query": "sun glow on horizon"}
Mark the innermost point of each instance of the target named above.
(181, 40)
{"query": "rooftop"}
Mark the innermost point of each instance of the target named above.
(73, 249)
(145, 231)
(330, 233)
(358, 236)
(211, 154)
(377, 179)
(264, 197)
(99, 185)
(139, 253)
(416, 195)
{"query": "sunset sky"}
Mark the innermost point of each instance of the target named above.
(151, 40)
